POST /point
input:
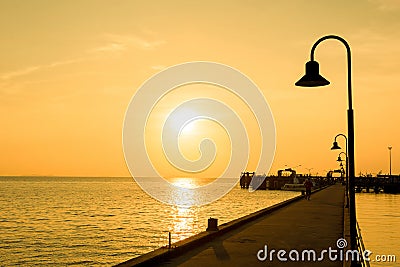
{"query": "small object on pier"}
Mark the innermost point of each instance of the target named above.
(169, 240)
(212, 224)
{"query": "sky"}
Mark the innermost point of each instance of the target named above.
(69, 69)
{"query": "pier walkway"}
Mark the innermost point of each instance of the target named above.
(302, 225)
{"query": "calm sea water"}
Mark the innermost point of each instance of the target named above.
(104, 221)
(379, 218)
(101, 221)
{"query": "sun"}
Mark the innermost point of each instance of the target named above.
(188, 128)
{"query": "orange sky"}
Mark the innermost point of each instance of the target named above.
(69, 69)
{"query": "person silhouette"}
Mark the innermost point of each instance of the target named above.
(308, 185)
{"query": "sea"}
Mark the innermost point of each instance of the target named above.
(102, 221)
(378, 216)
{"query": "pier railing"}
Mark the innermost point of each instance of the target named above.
(361, 248)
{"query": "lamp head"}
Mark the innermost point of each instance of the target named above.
(335, 146)
(312, 78)
(339, 159)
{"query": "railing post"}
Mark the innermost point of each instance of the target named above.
(169, 240)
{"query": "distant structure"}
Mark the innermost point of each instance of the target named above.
(245, 179)
(277, 182)
(271, 182)
(387, 183)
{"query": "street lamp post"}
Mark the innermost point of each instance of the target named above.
(287, 167)
(296, 166)
(334, 147)
(347, 177)
(312, 78)
(390, 160)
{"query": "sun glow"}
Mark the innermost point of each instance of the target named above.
(188, 128)
(194, 131)
(184, 182)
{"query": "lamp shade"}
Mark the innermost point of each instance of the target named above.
(339, 159)
(335, 146)
(312, 77)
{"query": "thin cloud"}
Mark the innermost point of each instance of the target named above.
(16, 73)
(28, 70)
(158, 67)
(135, 41)
(387, 5)
(115, 43)
(112, 47)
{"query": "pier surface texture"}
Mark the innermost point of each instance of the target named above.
(301, 225)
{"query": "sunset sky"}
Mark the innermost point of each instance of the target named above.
(69, 69)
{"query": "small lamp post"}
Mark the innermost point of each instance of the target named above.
(335, 146)
(390, 160)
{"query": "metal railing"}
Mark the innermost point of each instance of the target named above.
(361, 248)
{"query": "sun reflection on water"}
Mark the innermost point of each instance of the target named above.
(184, 222)
(184, 217)
(185, 182)
(185, 193)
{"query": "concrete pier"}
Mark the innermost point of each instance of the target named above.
(298, 224)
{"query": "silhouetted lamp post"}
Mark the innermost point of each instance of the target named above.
(334, 147)
(347, 176)
(296, 166)
(312, 78)
(390, 160)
